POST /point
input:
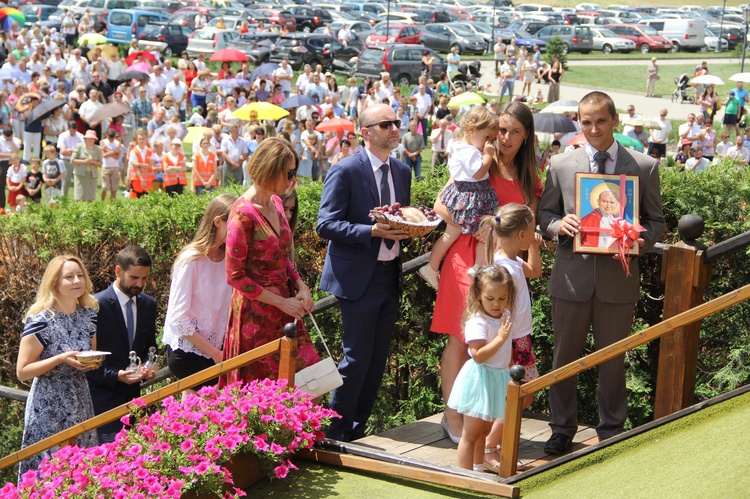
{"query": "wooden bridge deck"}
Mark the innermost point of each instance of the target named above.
(425, 441)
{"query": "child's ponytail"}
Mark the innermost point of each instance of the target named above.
(508, 221)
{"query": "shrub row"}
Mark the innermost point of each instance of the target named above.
(162, 225)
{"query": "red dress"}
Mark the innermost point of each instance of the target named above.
(258, 258)
(454, 278)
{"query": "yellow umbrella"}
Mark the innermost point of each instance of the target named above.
(93, 39)
(109, 52)
(194, 134)
(264, 110)
(465, 99)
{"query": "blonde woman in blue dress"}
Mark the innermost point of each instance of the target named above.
(59, 325)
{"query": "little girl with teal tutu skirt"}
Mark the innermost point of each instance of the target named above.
(480, 387)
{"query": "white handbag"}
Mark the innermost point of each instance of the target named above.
(321, 377)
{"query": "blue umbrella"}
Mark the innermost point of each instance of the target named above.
(234, 82)
(297, 101)
(264, 70)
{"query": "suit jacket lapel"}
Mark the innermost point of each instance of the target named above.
(369, 177)
(117, 311)
(582, 161)
(625, 162)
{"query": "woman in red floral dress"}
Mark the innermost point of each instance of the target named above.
(268, 292)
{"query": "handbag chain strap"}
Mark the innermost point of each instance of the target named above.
(320, 334)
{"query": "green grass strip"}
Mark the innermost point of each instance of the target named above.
(704, 454)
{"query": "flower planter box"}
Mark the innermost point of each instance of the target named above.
(246, 471)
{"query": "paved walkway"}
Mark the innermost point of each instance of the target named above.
(645, 107)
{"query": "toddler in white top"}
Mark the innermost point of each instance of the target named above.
(468, 196)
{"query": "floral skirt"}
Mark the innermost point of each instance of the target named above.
(479, 391)
(523, 355)
(469, 202)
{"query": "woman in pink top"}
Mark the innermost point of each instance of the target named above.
(515, 178)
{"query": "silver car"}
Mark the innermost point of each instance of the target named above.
(608, 42)
(711, 40)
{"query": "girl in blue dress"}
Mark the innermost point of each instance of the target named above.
(480, 387)
(59, 325)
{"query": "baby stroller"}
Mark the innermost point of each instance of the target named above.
(467, 73)
(680, 93)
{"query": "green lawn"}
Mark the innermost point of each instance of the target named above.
(704, 454)
(633, 76)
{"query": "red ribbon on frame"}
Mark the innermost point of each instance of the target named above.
(623, 233)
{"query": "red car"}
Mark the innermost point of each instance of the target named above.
(394, 33)
(646, 38)
(280, 17)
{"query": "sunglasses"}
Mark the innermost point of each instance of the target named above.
(386, 125)
(290, 174)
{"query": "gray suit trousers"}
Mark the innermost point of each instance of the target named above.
(611, 322)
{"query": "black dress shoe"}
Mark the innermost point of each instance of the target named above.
(558, 444)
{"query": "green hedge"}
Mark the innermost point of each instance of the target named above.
(97, 231)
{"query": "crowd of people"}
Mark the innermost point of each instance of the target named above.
(242, 252)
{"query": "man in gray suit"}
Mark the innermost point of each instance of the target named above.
(592, 290)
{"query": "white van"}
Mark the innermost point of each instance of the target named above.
(685, 34)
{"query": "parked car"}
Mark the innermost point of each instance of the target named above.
(482, 30)
(206, 41)
(608, 42)
(576, 38)
(371, 7)
(646, 38)
(280, 17)
(308, 18)
(731, 33)
(312, 49)
(522, 38)
(166, 37)
(186, 17)
(403, 62)
(231, 22)
(445, 36)
(37, 13)
(712, 40)
(125, 25)
(258, 46)
(361, 28)
(685, 34)
(394, 33)
(532, 26)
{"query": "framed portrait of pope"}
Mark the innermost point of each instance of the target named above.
(605, 205)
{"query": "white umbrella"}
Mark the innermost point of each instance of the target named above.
(707, 80)
(562, 106)
(644, 122)
(743, 77)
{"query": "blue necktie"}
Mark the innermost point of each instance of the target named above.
(130, 323)
(385, 197)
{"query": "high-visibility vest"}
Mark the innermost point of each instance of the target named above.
(173, 178)
(205, 167)
(147, 174)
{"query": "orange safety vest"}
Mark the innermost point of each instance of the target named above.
(173, 178)
(204, 167)
(147, 174)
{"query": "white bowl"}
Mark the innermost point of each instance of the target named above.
(91, 357)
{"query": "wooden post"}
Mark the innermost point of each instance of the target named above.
(686, 276)
(512, 427)
(288, 354)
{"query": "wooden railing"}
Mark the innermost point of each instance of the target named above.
(686, 271)
(285, 347)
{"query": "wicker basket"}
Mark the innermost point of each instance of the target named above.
(419, 229)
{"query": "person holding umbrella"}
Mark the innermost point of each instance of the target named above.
(32, 132)
(86, 160)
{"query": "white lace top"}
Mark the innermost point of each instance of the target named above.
(199, 299)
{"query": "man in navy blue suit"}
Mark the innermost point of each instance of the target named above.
(363, 264)
(126, 322)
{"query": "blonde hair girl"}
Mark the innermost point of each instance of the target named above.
(513, 231)
(468, 196)
(480, 387)
(60, 325)
(199, 296)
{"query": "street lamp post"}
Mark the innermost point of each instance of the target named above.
(744, 41)
(721, 26)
